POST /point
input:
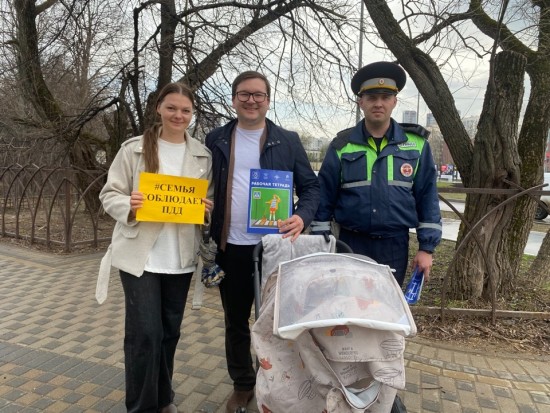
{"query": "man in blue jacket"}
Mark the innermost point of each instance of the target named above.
(378, 179)
(250, 142)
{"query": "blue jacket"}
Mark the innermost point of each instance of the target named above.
(282, 151)
(381, 194)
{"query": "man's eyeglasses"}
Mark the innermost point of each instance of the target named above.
(258, 97)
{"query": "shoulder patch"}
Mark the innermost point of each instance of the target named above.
(416, 129)
(342, 138)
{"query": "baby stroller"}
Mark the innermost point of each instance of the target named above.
(330, 333)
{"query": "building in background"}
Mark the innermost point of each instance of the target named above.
(430, 120)
(315, 149)
(436, 144)
(441, 154)
(470, 124)
(440, 150)
(409, 116)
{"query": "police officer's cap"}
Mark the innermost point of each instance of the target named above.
(379, 77)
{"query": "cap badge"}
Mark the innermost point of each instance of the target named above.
(380, 81)
(406, 170)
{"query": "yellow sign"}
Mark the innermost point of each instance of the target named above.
(168, 198)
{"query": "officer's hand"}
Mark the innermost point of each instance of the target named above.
(423, 260)
(291, 227)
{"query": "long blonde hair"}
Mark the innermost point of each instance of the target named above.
(150, 136)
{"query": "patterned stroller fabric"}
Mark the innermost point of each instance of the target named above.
(331, 336)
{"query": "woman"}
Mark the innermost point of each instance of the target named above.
(156, 260)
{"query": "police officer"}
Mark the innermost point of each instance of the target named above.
(378, 179)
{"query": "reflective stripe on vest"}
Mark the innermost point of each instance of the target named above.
(413, 143)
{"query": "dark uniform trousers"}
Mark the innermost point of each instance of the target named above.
(392, 251)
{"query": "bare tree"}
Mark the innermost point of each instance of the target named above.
(57, 83)
(305, 47)
(87, 71)
(498, 158)
(536, 121)
(61, 116)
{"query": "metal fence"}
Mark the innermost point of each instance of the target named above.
(59, 206)
(53, 206)
(472, 234)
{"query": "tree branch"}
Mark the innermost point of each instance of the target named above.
(44, 6)
(429, 81)
(499, 33)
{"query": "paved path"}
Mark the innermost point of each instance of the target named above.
(62, 352)
(451, 227)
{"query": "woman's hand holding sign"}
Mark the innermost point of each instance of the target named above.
(209, 205)
(136, 202)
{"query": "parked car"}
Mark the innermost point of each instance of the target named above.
(545, 199)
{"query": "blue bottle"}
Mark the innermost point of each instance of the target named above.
(414, 287)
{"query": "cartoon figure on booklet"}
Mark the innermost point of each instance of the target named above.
(273, 207)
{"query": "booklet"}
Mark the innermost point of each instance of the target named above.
(270, 199)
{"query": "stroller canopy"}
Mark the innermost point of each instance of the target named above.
(321, 290)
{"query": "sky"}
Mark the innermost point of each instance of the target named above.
(468, 97)
(466, 76)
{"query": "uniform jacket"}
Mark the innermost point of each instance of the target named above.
(282, 150)
(385, 194)
(132, 240)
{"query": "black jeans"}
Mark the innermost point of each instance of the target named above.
(154, 312)
(393, 251)
(237, 295)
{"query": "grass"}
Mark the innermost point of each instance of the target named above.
(528, 296)
(450, 196)
(538, 226)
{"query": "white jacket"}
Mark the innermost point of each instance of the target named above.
(132, 240)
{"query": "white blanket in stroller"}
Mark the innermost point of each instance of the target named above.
(330, 337)
(277, 250)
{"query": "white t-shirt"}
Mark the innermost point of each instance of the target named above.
(164, 257)
(247, 157)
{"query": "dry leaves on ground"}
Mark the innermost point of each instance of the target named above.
(510, 335)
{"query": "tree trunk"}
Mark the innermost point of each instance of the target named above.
(168, 25)
(82, 155)
(117, 124)
(28, 63)
(536, 121)
(427, 77)
(495, 158)
(47, 107)
(540, 268)
(531, 148)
